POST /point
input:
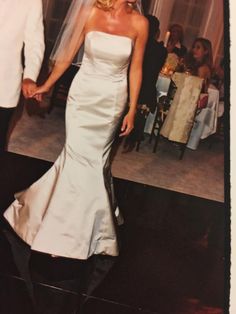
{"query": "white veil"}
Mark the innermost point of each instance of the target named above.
(139, 6)
(69, 39)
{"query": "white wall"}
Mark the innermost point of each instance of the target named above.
(199, 19)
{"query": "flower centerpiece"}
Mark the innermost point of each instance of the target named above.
(170, 65)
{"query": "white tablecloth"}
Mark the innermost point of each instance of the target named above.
(206, 121)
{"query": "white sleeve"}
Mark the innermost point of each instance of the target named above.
(34, 40)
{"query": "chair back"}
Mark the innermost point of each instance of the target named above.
(180, 118)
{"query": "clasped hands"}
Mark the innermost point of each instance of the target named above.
(31, 90)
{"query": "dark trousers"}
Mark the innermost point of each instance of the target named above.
(5, 118)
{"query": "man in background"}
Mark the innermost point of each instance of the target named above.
(154, 59)
(21, 30)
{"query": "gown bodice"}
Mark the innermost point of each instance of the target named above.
(106, 55)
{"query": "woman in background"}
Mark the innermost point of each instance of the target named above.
(175, 42)
(199, 60)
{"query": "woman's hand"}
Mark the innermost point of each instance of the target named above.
(128, 124)
(39, 91)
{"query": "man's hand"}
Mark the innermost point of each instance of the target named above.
(28, 87)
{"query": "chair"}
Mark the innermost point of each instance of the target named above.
(140, 121)
(147, 118)
(218, 136)
(179, 121)
(163, 106)
(206, 120)
(160, 116)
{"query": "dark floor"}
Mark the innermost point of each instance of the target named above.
(171, 261)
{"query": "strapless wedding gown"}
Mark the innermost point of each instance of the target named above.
(70, 210)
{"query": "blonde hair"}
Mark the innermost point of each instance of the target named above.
(105, 4)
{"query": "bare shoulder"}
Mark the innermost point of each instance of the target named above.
(140, 24)
(140, 20)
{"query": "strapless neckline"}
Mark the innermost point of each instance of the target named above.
(109, 34)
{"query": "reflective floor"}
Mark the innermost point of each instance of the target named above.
(172, 258)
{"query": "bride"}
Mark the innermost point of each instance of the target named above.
(70, 211)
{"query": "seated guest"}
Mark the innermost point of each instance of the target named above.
(175, 42)
(199, 60)
(154, 58)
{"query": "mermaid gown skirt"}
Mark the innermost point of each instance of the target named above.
(69, 211)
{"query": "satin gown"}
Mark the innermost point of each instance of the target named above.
(70, 210)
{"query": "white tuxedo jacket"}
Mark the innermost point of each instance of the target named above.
(21, 24)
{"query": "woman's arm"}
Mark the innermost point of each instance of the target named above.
(59, 68)
(70, 51)
(135, 74)
(204, 73)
